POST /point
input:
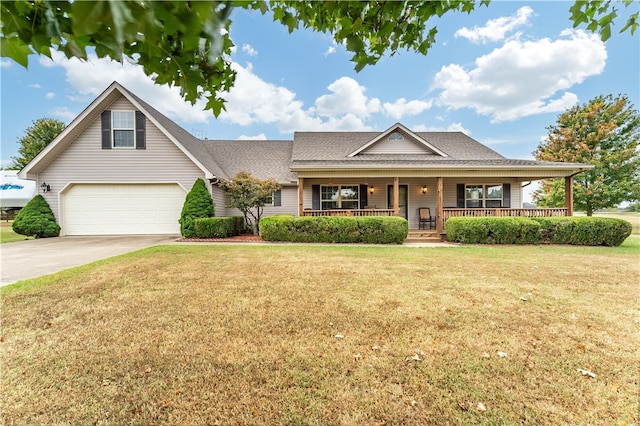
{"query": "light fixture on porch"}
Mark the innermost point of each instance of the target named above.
(371, 190)
(45, 187)
(424, 189)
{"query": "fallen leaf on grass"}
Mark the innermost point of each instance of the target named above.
(357, 357)
(502, 354)
(416, 357)
(339, 336)
(587, 373)
(375, 347)
(463, 406)
(485, 355)
(524, 299)
(481, 407)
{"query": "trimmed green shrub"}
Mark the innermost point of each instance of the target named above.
(599, 231)
(215, 227)
(239, 225)
(198, 204)
(554, 230)
(36, 219)
(492, 230)
(328, 229)
(592, 231)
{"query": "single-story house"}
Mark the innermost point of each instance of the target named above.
(122, 167)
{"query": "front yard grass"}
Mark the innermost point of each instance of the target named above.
(290, 334)
(8, 236)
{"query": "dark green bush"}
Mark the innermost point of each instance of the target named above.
(198, 204)
(239, 225)
(592, 231)
(327, 229)
(599, 231)
(492, 230)
(554, 230)
(36, 219)
(214, 227)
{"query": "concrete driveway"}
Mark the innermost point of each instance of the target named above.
(34, 258)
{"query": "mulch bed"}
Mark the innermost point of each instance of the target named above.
(244, 238)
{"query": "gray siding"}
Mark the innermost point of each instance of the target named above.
(84, 160)
(219, 201)
(408, 145)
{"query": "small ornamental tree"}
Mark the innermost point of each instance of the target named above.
(198, 204)
(36, 220)
(249, 195)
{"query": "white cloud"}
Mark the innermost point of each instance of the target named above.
(330, 50)
(50, 95)
(453, 127)
(253, 100)
(523, 78)
(249, 50)
(89, 78)
(401, 108)
(347, 97)
(35, 86)
(496, 29)
(5, 63)
(260, 137)
(63, 113)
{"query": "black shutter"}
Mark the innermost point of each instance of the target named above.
(315, 197)
(106, 129)
(460, 196)
(506, 195)
(363, 196)
(141, 130)
(277, 198)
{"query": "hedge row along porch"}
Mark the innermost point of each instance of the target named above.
(122, 167)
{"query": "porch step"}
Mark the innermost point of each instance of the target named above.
(423, 236)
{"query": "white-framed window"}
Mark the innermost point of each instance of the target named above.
(483, 196)
(395, 136)
(123, 126)
(269, 200)
(339, 197)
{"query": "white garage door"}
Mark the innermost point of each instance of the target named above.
(101, 209)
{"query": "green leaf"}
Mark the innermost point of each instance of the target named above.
(15, 49)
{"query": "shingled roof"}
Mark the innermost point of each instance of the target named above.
(336, 147)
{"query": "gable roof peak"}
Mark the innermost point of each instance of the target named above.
(399, 128)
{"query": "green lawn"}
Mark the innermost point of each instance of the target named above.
(8, 236)
(293, 334)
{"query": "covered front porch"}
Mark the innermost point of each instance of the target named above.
(445, 197)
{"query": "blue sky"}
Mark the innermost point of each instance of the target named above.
(501, 74)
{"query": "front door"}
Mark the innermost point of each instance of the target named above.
(403, 192)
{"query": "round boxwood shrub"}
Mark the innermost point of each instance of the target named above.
(36, 220)
(198, 204)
